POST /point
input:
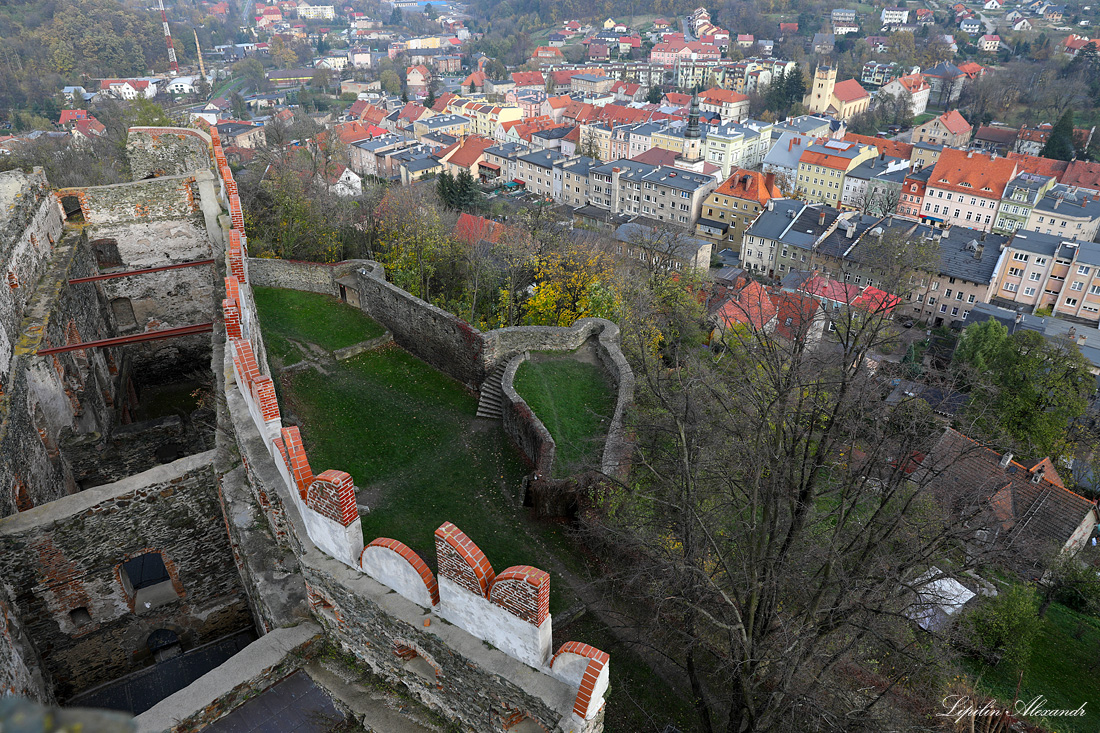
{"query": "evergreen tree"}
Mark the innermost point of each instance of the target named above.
(795, 86)
(445, 188)
(467, 197)
(654, 96)
(431, 96)
(396, 17)
(404, 96)
(473, 87)
(1060, 143)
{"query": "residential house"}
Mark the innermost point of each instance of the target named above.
(970, 26)
(946, 81)
(1083, 174)
(572, 176)
(874, 186)
(823, 43)
(455, 125)
(1021, 195)
(782, 227)
(87, 130)
(823, 167)
(914, 85)
(732, 207)
(733, 145)
(465, 155)
(995, 139)
(643, 246)
(536, 171)
(547, 55)
(912, 192)
(500, 162)
(968, 265)
(1022, 512)
(966, 188)
(782, 160)
(659, 192)
(591, 83)
(242, 134)
(949, 129)
(730, 106)
(894, 16)
(1066, 211)
(989, 43)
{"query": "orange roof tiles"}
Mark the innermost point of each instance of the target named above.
(749, 185)
(528, 78)
(1039, 166)
(1082, 173)
(893, 148)
(849, 91)
(721, 96)
(972, 173)
(750, 306)
(955, 123)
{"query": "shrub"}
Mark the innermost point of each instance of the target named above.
(1002, 628)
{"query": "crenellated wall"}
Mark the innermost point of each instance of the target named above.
(447, 665)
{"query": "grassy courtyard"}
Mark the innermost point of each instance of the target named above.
(574, 402)
(1062, 668)
(408, 436)
(289, 316)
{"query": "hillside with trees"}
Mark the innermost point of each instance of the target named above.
(47, 44)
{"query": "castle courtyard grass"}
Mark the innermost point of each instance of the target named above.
(408, 436)
(575, 403)
(295, 315)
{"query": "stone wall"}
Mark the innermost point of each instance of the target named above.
(166, 151)
(49, 399)
(313, 277)
(20, 665)
(520, 422)
(441, 339)
(171, 197)
(65, 559)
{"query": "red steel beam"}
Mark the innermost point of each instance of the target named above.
(127, 273)
(136, 338)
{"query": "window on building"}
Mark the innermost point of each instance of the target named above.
(1071, 301)
(1077, 286)
(146, 580)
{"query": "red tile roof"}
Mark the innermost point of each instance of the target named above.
(1028, 515)
(955, 123)
(748, 185)
(1082, 173)
(473, 229)
(749, 306)
(795, 314)
(466, 153)
(677, 99)
(1040, 166)
(893, 148)
(849, 90)
(528, 78)
(913, 83)
(72, 115)
(972, 173)
(722, 96)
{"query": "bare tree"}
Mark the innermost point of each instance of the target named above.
(773, 523)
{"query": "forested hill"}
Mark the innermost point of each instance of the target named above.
(45, 44)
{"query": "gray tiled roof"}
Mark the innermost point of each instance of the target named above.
(542, 158)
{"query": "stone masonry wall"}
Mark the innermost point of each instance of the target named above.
(441, 339)
(166, 151)
(172, 197)
(20, 665)
(313, 277)
(523, 426)
(50, 399)
(68, 555)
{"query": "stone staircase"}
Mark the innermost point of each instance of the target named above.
(492, 394)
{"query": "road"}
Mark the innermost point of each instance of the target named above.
(688, 38)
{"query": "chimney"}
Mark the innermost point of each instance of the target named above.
(982, 238)
(1057, 201)
(769, 182)
(1005, 460)
(970, 153)
(851, 229)
(1037, 476)
(821, 218)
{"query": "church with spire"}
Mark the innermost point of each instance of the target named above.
(692, 157)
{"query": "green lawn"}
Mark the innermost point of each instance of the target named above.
(312, 318)
(574, 402)
(407, 434)
(1062, 669)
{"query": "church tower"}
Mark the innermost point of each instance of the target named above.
(692, 157)
(821, 95)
